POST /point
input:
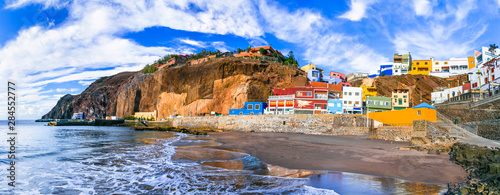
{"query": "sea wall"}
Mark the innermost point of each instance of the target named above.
(488, 129)
(330, 124)
(395, 133)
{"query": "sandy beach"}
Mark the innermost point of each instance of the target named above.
(344, 153)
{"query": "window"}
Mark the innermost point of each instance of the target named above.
(350, 102)
(437, 63)
(404, 96)
(345, 102)
(375, 102)
(395, 96)
(241, 113)
(414, 68)
(418, 63)
(387, 103)
(400, 101)
(395, 100)
(437, 69)
(350, 93)
(257, 106)
(356, 94)
(405, 100)
(369, 102)
(419, 113)
(357, 102)
(425, 63)
(345, 93)
(250, 107)
(445, 62)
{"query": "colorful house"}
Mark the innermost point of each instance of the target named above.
(352, 100)
(338, 75)
(335, 106)
(378, 104)
(250, 108)
(420, 67)
(405, 117)
(368, 91)
(401, 64)
(400, 99)
(386, 69)
(146, 115)
(298, 100)
(334, 88)
(308, 67)
(314, 75)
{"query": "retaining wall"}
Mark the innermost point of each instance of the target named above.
(330, 124)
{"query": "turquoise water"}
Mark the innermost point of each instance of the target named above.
(119, 160)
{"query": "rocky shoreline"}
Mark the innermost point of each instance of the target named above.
(483, 166)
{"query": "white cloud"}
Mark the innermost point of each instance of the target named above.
(422, 7)
(200, 44)
(46, 3)
(443, 35)
(322, 45)
(357, 10)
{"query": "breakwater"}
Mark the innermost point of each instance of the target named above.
(89, 122)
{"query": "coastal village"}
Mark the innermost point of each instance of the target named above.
(333, 93)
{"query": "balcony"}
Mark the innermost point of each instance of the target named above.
(282, 97)
(321, 96)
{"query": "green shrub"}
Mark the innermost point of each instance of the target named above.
(149, 69)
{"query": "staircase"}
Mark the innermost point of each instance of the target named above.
(463, 135)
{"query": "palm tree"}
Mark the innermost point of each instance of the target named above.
(493, 47)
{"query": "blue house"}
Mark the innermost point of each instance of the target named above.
(314, 75)
(250, 108)
(386, 70)
(335, 106)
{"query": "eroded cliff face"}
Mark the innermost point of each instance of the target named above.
(188, 90)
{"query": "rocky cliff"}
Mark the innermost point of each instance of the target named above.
(188, 90)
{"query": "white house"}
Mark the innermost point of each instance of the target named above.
(353, 100)
(78, 116)
(441, 96)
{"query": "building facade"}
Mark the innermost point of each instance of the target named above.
(250, 108)
(401, 64)
(444, 95)
(314, 75)
(368, 91)
(308, 67)
(298, 100)
(335, 106)
(352, 98)
(400, 99)
(146, 115)
(420, 67)
(77, 116)
(378, 104)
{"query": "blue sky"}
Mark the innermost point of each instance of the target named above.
(55, 47)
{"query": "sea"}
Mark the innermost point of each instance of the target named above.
(120, 160)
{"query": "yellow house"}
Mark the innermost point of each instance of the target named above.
(471, 62)
(146, 115)
(400, 99)
(308, 67)
(368, 91)
(406, 116)
(420, 67)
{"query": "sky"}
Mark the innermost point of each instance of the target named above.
(50, 48)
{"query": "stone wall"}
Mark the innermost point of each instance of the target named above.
(395, 133)
(329, 124)
(465, 114)
(487, 129)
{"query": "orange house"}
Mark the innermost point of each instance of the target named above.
(405, 117)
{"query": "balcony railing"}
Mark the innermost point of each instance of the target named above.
(281, 97)
(321, 96)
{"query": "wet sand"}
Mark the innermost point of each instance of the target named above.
(344, 153)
